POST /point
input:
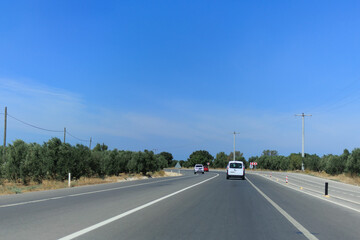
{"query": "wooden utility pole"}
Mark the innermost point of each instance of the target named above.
(5, 124)
(64, 134)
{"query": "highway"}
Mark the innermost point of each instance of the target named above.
(188, 207)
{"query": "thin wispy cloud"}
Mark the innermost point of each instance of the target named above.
(182, 131)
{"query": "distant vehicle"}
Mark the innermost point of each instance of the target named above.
(206, 168)
(199, 168)
(235, 169)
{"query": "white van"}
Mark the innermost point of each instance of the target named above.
(235, 169)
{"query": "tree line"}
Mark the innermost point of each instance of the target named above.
(347, 162)
(332, 164)
(204, 157)
(53, 160)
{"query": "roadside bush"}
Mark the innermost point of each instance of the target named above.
(112, 166)
(65, 163)
(295, 161)
(162, 162)
(284, 163)
(14, 161)
(312, 162)
(148, 162)
(52, 157)
(80, 167)
(54, 160)
(133, 163)
(353, 162)
(333, 164)
(35, 163)
(221, 160)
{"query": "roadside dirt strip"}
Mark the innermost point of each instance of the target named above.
(342, 194)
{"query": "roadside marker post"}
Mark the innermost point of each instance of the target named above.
(326, 189)
(69, 180)
(286, 179)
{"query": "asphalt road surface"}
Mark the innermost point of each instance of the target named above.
(339, 193)
(205, 206)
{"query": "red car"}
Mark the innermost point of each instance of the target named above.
(206, 168)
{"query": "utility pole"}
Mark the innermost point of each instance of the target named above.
(303, 137)
(234, 143)
(5, 128)
(90, 143)
(64, 134)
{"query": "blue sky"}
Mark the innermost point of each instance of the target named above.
(181, 76)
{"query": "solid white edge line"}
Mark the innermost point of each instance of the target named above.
(322, 198)
(298, 178)
(86, 193)
(300, 227)
(100, 224)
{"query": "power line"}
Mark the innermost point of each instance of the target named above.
(31, 125)
(67, 132)
(44, 129)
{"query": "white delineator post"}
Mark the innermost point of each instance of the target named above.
(69, 180)
(286, 179)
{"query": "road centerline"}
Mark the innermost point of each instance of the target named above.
(110, 220)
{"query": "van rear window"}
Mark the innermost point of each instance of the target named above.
(235, 165)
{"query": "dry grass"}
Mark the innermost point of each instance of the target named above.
(17, 187)
(345, 178)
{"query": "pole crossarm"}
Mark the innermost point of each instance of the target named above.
(303, 115)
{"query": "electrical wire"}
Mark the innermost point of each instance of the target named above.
(44, 129)
(31, 125)
(77, 137)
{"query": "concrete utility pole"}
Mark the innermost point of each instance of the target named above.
(90, 143)
(234, 143)
(303, 137)
(64, 134)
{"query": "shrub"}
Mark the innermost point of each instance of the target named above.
(312, 162)
(221, 160)
(333, 165)
(14, 161)
(35, 163)
(295, 161)
(353, 162)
